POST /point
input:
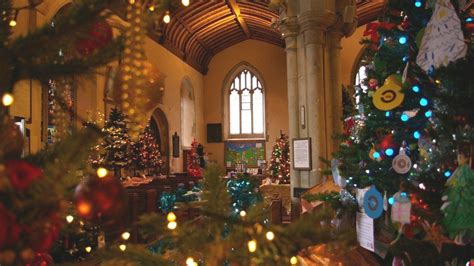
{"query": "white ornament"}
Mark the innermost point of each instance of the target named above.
(401, 163)
(443, 41)
(401, 208)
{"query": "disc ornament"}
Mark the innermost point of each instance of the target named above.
(373, 203)
(389, 96)
(401, 163)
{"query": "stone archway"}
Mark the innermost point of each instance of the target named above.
(159, 125)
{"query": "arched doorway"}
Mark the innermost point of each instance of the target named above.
(159, 125)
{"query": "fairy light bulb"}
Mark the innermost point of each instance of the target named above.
(270, 235)
(185, 2)
(171, 217)
(151, 8)
(190, 262)
(123, 247)
(252, 245)
(12, 23)
(294, 260)
(125, 235)
(69, 219)
(243, 213)
(172, 225)
(102, 172)
(167, 17)
(7, 99)
(88, 249)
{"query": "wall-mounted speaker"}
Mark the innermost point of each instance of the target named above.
(214, 133)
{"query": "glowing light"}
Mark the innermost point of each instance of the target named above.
(402, 39)
(470, 19)
(172, 225)
(123, 247)
(131, 2)
(243, 213)
(88, 249)
(415, 88)
(387, 114)
(389, 151)
(404, 117)
(294, 260)
(167, 18)
(252, 245)
(190, 261)
(418, 3)
(69, 219)
(12, 23)
(404, 194)
(428, 114)
(423, 102)
(416, 135)
(171, 217)
(376, 155)
(102, 172)
(447, 173)
(391, 200)
(84, 208)
(185, 2)
(270, 235)
(422, 186)
(125, 235)
(7, 99)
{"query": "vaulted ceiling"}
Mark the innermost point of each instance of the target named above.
(198, 32)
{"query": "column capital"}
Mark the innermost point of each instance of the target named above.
(316, 20)
(289, 27)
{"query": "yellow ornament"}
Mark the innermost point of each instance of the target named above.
(389, 96)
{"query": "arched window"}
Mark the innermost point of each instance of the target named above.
(246, 105)
(360, 73)
(188, 113)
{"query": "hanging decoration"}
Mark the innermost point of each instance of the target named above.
(389, 96)
(373, 203)
(401, 163)
(443, 39)
(401, 208)
(99, 35)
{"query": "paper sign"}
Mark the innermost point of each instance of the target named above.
(365, 231)
(302, 154)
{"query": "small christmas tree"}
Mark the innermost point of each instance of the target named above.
(194, 168)
(280, 161)
(146, 153)
(115, 144)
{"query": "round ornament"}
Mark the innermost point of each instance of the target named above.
(389, 96)
(99, 36)
(401, 163)
(100, 199)
(373, 203)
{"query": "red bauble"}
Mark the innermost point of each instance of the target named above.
(100, 199)
(99, 35)
(387, 142)
(21, 174)
(9, 228)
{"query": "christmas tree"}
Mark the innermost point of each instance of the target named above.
(194, 159)
(116, 142)
(146, 153)
(402, 142)
(280, 162)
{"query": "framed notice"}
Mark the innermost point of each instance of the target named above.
(302, 154)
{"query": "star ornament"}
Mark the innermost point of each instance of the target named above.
(434, 235)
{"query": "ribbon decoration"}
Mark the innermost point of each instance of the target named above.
(372, 30)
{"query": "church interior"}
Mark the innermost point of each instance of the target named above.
(236, 132)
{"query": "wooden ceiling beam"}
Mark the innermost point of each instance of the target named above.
(234, 7)
(192, 34)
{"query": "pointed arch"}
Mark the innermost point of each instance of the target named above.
(159, 125)
(243, 93)
(188, 113)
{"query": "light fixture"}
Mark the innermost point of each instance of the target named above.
(294, 260)
(167, 18)
(13, 22)
(88, 249)
(185, 2)
(172, 225)
(123, 247)
(171, 217)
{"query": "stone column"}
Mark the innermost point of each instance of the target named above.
(289, 29)
(313, 26)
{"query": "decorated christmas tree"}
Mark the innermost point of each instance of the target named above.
(279, 166)
(194, 159)
(146, 153)
(400, 148)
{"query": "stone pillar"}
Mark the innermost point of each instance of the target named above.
(289, 29)
(313, 26)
